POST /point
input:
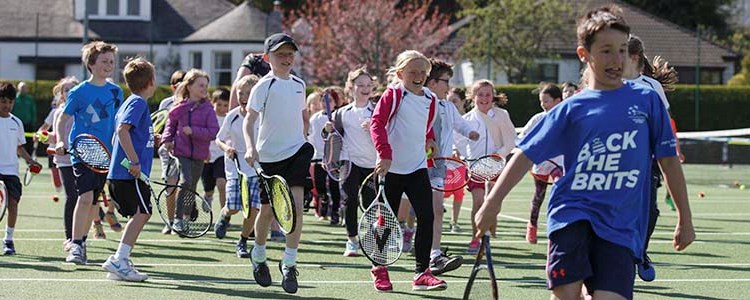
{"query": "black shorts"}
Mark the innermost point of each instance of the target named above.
(295, 169)
(12, 186)
(211, 172)
(87, 180)
(126, 198)
(577, 253)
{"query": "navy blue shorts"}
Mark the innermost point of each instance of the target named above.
(127, 198)
(12, 186)
(87, 180)
(295, 169)
(576, 253)
(211, 172)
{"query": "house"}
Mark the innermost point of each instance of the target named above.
(42, 39)
(678, 45)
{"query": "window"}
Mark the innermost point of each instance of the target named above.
(708, 75)
(544, 72)
(92, 7)
(113, 7)
(134, 7)
(196, 60)
(222, 68)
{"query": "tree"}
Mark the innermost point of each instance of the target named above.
(346, 34)
(513, 34)
(742, 78)
(713, 14)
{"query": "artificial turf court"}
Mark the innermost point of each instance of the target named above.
(716, 266)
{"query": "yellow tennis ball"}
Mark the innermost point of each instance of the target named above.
(742, 187)
(429, 152)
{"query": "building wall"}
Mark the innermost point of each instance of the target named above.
(208, 52)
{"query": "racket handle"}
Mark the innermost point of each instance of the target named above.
(125, 163)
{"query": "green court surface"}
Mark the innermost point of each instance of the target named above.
(716, 266)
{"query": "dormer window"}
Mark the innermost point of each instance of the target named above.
(114, 9)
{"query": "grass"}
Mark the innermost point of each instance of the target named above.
(716, 266)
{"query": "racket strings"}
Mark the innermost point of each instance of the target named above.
(282, 203)
(380, 235)
(92, 153)
(195, 212)
(487, 169)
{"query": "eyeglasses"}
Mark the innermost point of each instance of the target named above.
(447, 81)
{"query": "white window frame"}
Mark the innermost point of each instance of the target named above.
(101, 14)
(216, 70)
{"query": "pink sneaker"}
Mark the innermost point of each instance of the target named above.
(426, 282)
(382, 281)
(473, 247)
(531, 233)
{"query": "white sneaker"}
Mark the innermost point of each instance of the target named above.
(77, 254)
(352, 249)
(122, 269)
(178, 226)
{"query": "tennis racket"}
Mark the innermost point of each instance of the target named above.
(91, 152)
(32, 169)
(380, 235)
(159, 120)
(194, 213)
(244, 187)
(336, 167)
(368, 191)
(547, 171)
(480, 273)
(486, 168)
(456, 173)
(3, 199)
(280, 197)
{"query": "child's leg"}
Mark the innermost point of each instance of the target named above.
(477, 198)
(335, 191)
(319, 181)
(437, 211)
(458, 199)
(418, 190)
(351, 188)
(209, 181)
(71, 196)
(540, 189)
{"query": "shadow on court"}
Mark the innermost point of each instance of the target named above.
(664, 292)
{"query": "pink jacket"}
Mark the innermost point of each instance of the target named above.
(201, 118)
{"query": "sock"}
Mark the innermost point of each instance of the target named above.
(85, 237)
(290, 257)
(243, 239)
(123, 251)
(9, 233)
(258, 253)
(227, 217)
(78, 242)
(210, 199)
(435, 253)
(353, 239)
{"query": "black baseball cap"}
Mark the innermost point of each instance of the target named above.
(277, 40)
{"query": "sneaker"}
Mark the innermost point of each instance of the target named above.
(408, 234)
(99, 232)
(445, 263)
(278, 236)
(194, 213)
(220, 228)
(352, 249)
(669, 202)
(455, 228)
(124, 269)
(382, 281)
(111, 219)
(241, 250)
(76, 254)
(426, 282)
(9, 248)
(261, 274)
(206, 206)
(335, 219)
(288, 278)
(531, 233)
(167, 229)
(178, 226)
(473, 247)
(646, 270)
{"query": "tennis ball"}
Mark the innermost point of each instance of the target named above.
(44, 136)
(701, 194)
(55, 198)
(742, 187)
(429, 152)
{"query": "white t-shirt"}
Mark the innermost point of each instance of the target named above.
(11, 129)
(485, 144)
(406, 133)
(358, 146)
(280, 103)
(655, 85)
(213, 148)
(49, 119)
(317, 122)
(231, 133)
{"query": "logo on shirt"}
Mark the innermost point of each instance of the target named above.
(98, 111)
(636, 115)
(598, 164)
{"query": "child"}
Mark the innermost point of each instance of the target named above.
(353, 123)
(281, 149)
(191, 128)
(213, 170)
(448, 119)
(457, 96)
(232, 142)
(407, 131)
(93, 104)
(169, 175)
(549, 96)
(133, 142)
(639, 71)
(608, 133)
(568, 89)
(497, 135)
(11, 128)
(318, 119)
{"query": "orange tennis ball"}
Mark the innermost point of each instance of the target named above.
(55, 198)
(701, 194)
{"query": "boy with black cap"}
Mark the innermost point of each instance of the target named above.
(280, 147)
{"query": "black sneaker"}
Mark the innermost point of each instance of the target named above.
(241, 250)
(9, 248)
(289, 278)
(444, 263)
(221, 228)
(261, 274)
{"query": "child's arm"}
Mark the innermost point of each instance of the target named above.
(170, 129)
(460, 124)
(379, 134)
(248, 129)
(61, 146)
(511, 175)
(123, 134)
(26, 157)
(305, 122)
(684, 233)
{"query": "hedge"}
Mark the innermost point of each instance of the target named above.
(721, 107)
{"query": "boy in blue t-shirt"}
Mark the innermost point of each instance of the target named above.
(93, 104)
(598, 211)
(134, 142)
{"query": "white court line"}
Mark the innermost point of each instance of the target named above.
(322, 242)
(321, 282)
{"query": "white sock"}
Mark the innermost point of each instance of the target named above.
(123, 251)
(435, 253)
(258, 253)
(353, 239)
(9, 233)
(290, 257)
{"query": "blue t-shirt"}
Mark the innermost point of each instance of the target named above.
(93, 109)
(135, 113)
(608, 139)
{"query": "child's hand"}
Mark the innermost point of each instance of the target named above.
(231, 152)
(328, 127)
(251, 156)
(187, 130)
(60, 148)
(169, 146)
(485, 218)
(684, 235)
(473, 135)
(135, 170)
(383, 166)
(366, 125)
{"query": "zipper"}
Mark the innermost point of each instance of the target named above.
(190, 123)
